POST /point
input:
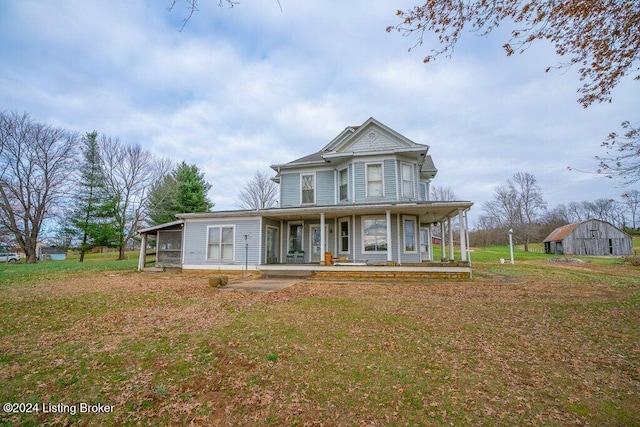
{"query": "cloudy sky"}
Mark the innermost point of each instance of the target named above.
(243, 88)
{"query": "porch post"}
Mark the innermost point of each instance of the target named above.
(466, 228)
(463, 235)
(443, 243)
(430, 242)
(143, 252)
(352, 237)
(389, 245)
(282, 243)
(399, 239)
(323, 243)
(451, 255)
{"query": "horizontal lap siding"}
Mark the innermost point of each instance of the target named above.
(375, 257)
(390, 182)
(290, 190)
(275, 224)
(395, 245)
(325, 188)
(359, 181)
(409, 257)
(195, 247)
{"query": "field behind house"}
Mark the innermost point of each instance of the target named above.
(535, 343)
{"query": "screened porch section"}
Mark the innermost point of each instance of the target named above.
(169, 248)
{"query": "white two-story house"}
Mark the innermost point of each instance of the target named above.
(360, 202)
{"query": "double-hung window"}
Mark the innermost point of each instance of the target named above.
(344, 184)
(409, 235)
(375, 186)
(344, 235)
(423, 191)
(407, 180)
(308, 189)
(220, 244)
(374, 234)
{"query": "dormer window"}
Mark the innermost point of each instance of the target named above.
(308, 189)
(375, 186)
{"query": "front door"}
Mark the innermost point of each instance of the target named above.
(317, 253)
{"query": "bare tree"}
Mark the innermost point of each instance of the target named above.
(632, 202)
(130, 173)
(601, 37)
(35, 162)
(444, 194)
(259, 193)
(518, 204)
(604, 209)
(623, 155)
(192, 7)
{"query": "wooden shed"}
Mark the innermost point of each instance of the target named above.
(590, 237)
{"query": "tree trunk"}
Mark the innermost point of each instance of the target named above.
(83, 246)
(31, 254)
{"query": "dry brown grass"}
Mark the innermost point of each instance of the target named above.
(535, 344)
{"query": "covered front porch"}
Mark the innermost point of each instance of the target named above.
(408, 238)
(373, 235)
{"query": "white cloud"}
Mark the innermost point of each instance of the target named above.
(244, 88)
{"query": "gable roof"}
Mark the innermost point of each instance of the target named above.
(560, 233)
(358, 141)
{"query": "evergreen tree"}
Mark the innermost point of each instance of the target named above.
(184, 190)
(93, 215)
(192, 189)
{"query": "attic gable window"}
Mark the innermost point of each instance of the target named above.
(308, 189)
(375, 186)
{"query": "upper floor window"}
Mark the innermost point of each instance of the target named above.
(344, 184)
(407, 180)
(308, 189)
(375, 186)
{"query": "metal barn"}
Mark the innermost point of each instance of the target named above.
(590, 237)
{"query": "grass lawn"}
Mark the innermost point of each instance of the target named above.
(535, 343)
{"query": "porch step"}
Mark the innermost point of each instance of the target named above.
(286, 274)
